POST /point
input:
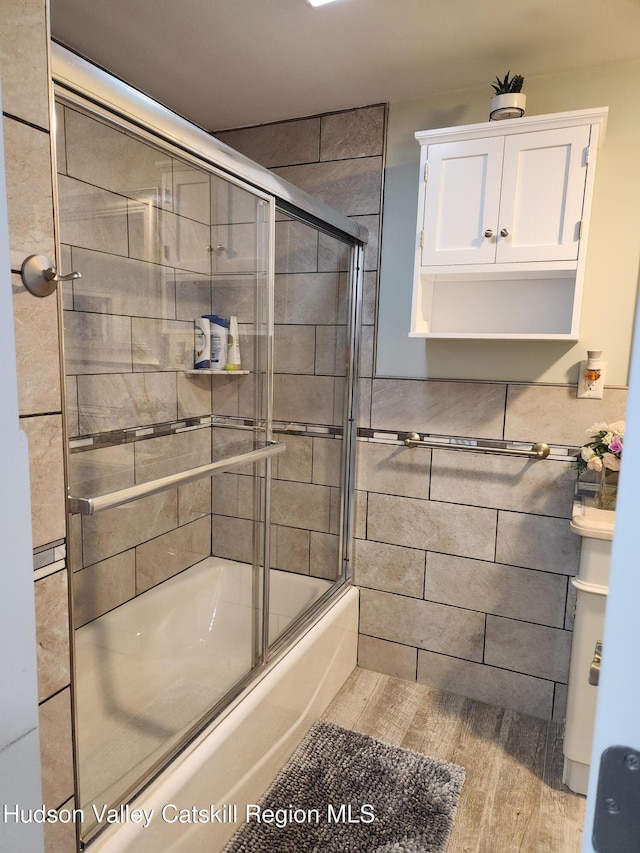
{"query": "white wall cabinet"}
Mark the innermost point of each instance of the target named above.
(503, 216)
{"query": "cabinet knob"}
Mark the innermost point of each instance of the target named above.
(504, 232)
(488, 233)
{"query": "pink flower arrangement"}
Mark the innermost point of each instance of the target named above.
(605, 448)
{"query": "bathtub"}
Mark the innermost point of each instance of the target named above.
(123, 659)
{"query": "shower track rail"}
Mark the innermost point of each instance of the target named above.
(540, 450)
(90, 506)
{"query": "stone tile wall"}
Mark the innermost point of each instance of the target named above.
(140, 227)
(464, 559)
(309, 345)
(337, 158)
(158, 242)
(25, 90)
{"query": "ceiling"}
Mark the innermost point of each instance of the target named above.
(232, 63)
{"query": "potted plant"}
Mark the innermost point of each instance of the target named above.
(508, 100)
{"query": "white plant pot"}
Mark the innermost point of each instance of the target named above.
(510, 105)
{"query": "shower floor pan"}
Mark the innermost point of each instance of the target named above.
(150, 669)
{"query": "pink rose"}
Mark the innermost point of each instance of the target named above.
(615, 445)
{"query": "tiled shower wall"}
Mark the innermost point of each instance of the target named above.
(337, 158)
(463, 560)
(158, 242)
(154, 251)
(310, 317)
(25, 94)
(136, 223)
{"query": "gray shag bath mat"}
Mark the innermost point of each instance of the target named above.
(345, 792)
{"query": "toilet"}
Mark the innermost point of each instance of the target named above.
(596, 526)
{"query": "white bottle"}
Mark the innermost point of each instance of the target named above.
(219, 332)
(202, 345)
(233, 346)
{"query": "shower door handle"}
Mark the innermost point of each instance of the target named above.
(89, 506)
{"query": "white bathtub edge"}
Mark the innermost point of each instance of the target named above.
(236, 758)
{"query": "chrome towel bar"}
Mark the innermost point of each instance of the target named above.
(89, 506)
(538, 451)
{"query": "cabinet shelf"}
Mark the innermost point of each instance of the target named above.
(501, 306)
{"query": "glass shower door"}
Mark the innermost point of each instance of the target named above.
(168, 620)
(313, 367)
(313, 372)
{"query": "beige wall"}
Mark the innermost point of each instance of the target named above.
(614, 242)
(25, 83)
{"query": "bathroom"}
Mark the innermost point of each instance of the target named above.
(513, 651)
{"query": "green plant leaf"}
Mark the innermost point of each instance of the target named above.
(506, 85)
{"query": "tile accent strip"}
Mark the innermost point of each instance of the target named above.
(49, 558)
(127, 436)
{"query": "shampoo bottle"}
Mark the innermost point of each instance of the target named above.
(219, 330)
(202, 345)
(233, 346)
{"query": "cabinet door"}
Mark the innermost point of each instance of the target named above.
(543, 183)
(462, 201)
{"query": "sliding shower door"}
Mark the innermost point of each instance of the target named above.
(209, 509)
(167, 607)
(313, 365)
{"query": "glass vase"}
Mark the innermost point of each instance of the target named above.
(607, 492)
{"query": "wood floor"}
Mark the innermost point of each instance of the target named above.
(513, 799)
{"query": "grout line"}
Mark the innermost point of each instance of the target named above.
(25, 122)
(504, 409)
(484, 640)
(54, 694)
(538, 678)
(566, 604)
